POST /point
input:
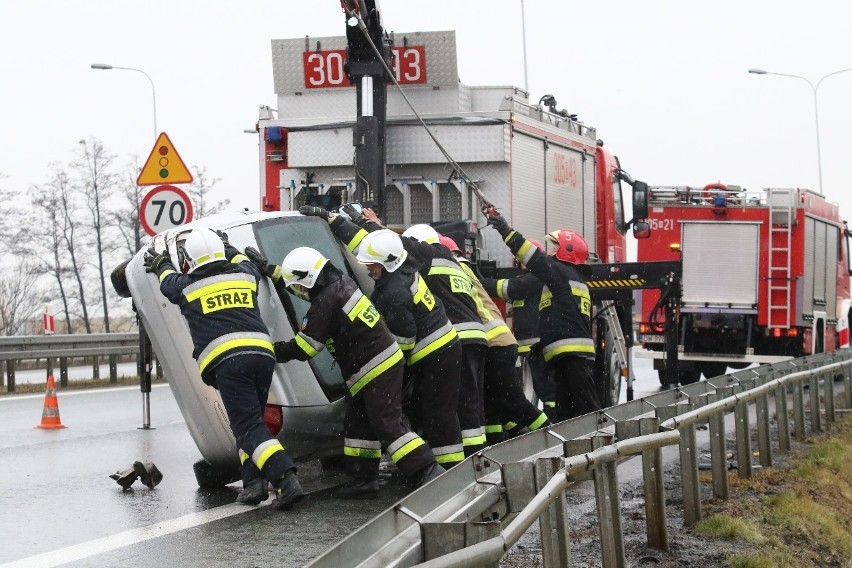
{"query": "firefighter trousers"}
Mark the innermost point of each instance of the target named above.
(433, 406)
(471, 409)
(542, 379)
(243, 382)
(575, 387)
(374, 421)
(507, 410)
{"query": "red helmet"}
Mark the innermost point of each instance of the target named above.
(449, 243)
(570, 246)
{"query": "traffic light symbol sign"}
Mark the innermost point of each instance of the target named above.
(164, 165)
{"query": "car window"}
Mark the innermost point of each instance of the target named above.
(276, 238)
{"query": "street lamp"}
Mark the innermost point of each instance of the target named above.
(814, 88)
(105, 67)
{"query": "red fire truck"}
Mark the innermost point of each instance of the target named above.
(765, 276)
(537, 164)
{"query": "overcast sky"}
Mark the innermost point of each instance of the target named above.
(664, 82)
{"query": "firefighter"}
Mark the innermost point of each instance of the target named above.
(369, 358)
(507, 411)
(565, 313)
(217, 294)
(524, 293)
(447, 281)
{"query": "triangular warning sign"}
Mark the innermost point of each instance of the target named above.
(163, 165)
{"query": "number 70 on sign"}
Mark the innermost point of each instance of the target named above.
(164, 207)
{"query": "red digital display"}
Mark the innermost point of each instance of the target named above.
(324, 69)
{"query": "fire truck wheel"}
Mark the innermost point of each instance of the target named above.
(610, 391)
(213, 477)
(689, 377)
(710, 370)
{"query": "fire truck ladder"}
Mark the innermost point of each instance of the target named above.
(781, 219)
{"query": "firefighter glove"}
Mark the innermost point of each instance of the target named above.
(257, 258)
(312, 211)
(499, 224)
(224, 236)
(279, 346)
(351, 211)
(154, 260)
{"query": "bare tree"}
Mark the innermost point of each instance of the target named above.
(18, 299)
(199, 191)
(97, 182)
(125, 217)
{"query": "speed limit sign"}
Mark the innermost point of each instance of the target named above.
(164, 207)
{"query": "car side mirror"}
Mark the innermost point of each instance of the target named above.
(641, 230)
(640, 200)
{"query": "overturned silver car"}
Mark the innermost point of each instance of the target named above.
(306, 404)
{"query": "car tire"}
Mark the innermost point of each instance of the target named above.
(213, 477)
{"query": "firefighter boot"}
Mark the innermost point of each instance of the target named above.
(288, 491)
(358, 489)
(254, 491)
(426, 475)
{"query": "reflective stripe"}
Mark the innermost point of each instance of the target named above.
(355, 304)
(503, 289)
(309, 345)
(230, 341)
(526, 345)
(405, 343)
(493, 428)
(542, 418)
(432, 342)
(473, 436)
(404, 445)
(239, 258)
(526, 252)
(420, 293)
(495, 327)
(550, 403)
(243, 456)
(578, 345)
(509, 426)
(362, 448)
(546, 298)
(265, 450)
(449, 454)
(509, 236)
(524, 349)
(356, 240)
(374, 367)
(471, 334)
(219, 283)
(166, 272)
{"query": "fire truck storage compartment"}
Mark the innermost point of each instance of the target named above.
(820, 281)
(720, 264)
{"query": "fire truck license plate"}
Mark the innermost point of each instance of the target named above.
(652, 339)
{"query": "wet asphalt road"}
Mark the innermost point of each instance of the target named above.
(59, 507)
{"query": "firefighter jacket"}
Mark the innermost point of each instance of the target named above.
(524, 293)
(497, 333)
(363, 346)
(415, 316)
(219, 302)
(565, 307)
(439, 269)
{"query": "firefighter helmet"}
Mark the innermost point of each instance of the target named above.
(382, 247)
(302, 267)
(570, 246)
(201, 247)
(423, 233)
(449, 243)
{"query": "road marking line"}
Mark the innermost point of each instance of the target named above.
(75, 392)
(127, 538)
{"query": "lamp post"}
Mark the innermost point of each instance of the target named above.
(815, 89)
(105, 67)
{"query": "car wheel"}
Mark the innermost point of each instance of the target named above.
(212, 477)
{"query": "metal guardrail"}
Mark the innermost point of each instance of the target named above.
(474, 513)
(64, 347)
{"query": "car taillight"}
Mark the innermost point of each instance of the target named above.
(273, 418)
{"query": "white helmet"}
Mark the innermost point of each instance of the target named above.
(302, 267)
(383, 247)
(201, 247)
(423, 233)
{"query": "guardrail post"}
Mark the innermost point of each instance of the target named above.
(3, 375)
(742, 431)
(828, 394)
(553, 523)
(49, 364)
(63, 371)
(847, 384)
(761, 406)
(798, 410)
(813, 398)
(718, 452)
(10, 375)
(439, 539)
(96, 367)
(609, 507)
(688, 449)
(782, 416)
(113, 369)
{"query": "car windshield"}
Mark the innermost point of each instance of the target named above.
(277, 237)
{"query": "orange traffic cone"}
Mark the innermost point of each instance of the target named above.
(50, 414)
